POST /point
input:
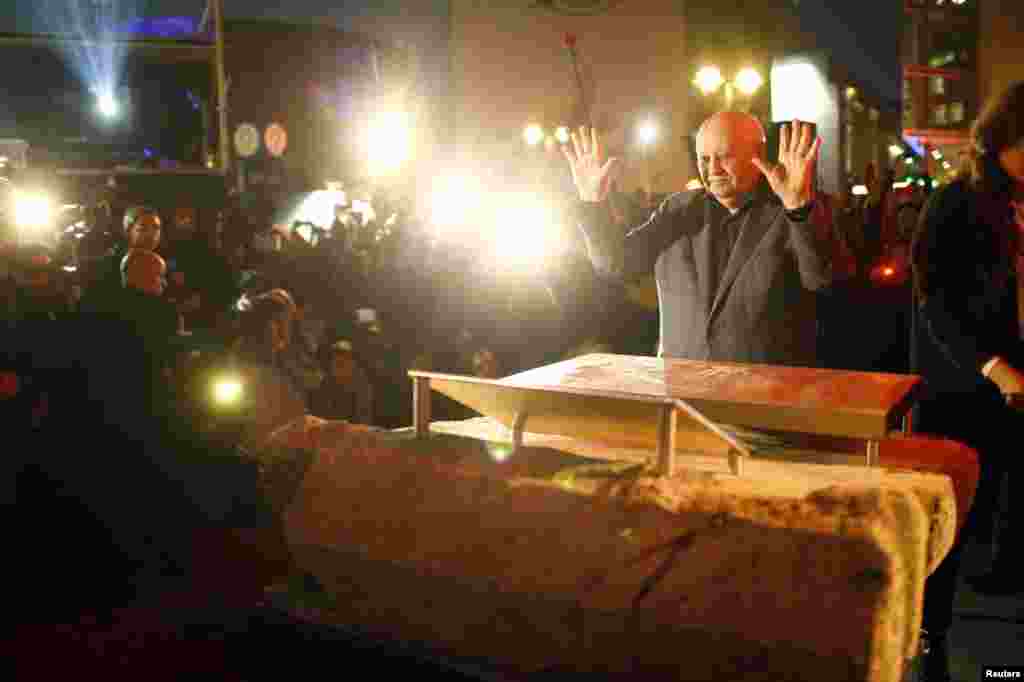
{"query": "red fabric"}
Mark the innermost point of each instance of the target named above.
(9, 384)
(940, 456)
(139, 644)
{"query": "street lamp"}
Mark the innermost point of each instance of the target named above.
(709, 79)
(747, 81)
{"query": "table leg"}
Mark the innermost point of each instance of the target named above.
(871, 453)
(518, 424)
(421, 405)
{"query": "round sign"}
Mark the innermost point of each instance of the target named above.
(276, 139)
(247, 140)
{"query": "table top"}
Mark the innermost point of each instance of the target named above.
(849, 404)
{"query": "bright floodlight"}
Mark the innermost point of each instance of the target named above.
(227, 391)
(859, 190)
(533, 134)
(647, 132)
(107, 105)
(524, 229)
(748, 81)
(32, 210)
(709, 79)
(390, 142)
(454, 201)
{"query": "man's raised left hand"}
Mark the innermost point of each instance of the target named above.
(791, 178)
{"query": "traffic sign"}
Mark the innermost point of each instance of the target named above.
(276, 139)
(247, 140)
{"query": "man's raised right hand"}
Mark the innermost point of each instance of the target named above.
(591, 177)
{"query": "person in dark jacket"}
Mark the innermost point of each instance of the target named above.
(738, 263)
(142, 230)
(965, 335)
(346, 392)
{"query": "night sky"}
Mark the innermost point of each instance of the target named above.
(865, 33)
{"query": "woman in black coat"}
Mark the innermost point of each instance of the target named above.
(966, 339)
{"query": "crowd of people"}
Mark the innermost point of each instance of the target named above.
(115, 348)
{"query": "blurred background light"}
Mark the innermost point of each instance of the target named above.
(533, 134)
(748, 81)
(32, 210)
(647, 132)
(709, 79)
(389, 142)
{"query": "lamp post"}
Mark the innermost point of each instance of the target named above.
(746, 83)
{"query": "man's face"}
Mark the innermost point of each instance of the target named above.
(725, 155)
(145, 233)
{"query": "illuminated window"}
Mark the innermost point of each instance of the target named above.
(939, 115)
(956, 112)
(938, 85)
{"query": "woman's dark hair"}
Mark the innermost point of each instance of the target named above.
(1000, 125)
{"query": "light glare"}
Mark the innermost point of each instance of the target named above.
(107, 105)
(454, 201)
(32, 210)
(524, 229)
(227, 391)
(390, 142)
(647, 132)
(562, 135)
(533, 134)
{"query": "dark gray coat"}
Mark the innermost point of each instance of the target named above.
(764, 307)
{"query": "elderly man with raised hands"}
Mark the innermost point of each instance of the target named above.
(737, 262)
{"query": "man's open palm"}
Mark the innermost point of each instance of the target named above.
(591, 174)
(791, 178)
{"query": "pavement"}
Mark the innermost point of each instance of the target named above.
(986, 630)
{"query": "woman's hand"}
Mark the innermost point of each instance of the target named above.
(1009, 380)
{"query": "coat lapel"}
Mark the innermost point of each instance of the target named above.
(762, 215)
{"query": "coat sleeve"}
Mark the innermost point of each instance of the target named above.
(810, 239)
(631, 255)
